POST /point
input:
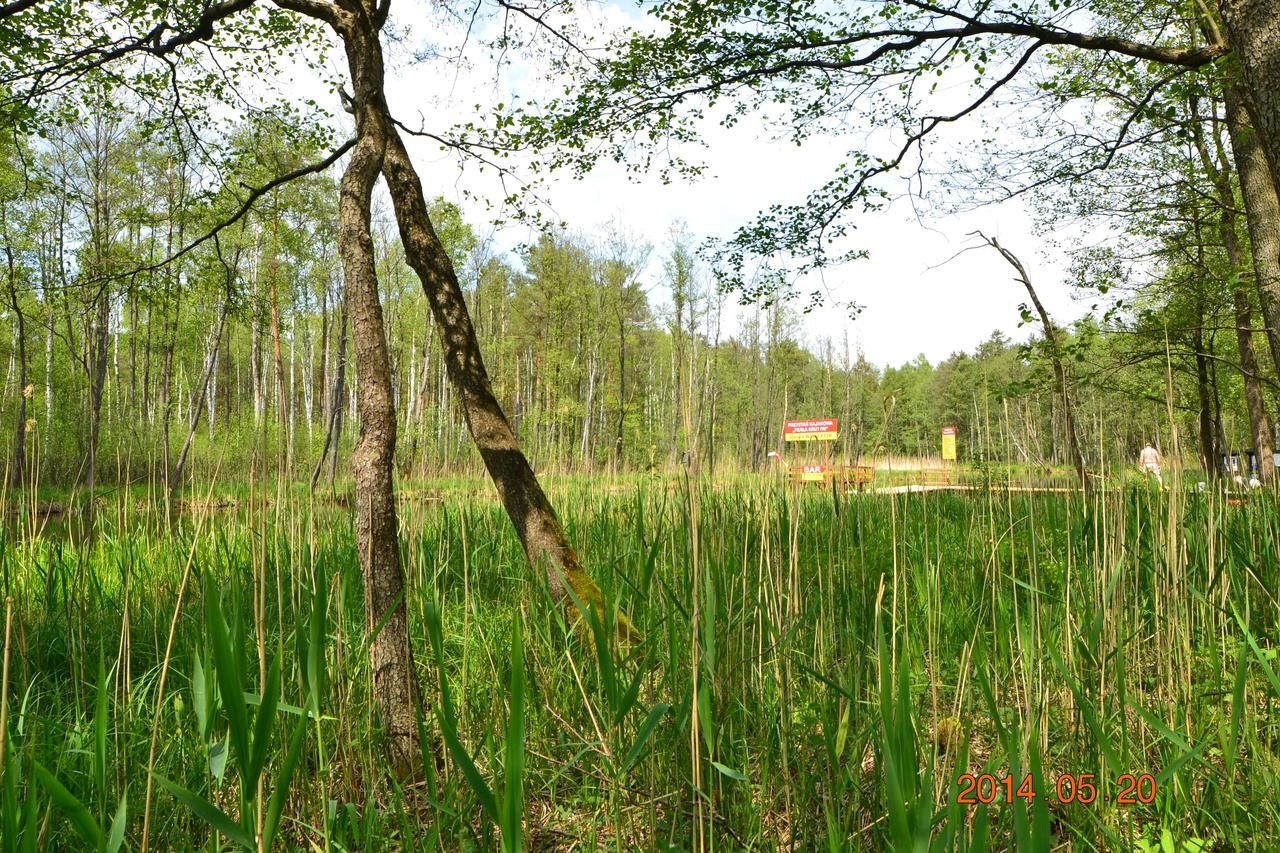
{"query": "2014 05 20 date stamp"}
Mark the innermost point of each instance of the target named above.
(1129, 789)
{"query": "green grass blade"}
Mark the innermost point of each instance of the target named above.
(642, 737)
(215, 817)
(100, 732)
(263, 723)
(81, 819)
(284, 776)
(115, 838)
(448, 721)
(513, 770)
(226, 664)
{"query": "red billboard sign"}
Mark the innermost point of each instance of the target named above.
(821, 430)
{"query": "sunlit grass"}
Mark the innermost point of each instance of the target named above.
(855, 656)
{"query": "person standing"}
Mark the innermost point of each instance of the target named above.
(1149, 463)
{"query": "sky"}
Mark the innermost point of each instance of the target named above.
(920, 291)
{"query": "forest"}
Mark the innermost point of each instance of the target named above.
(591, 341)
(354, 501)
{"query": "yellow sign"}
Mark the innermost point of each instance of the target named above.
(812, 473)
(949, 444)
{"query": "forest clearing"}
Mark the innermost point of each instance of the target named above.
(656, 425)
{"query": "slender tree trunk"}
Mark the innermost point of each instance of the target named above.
(1059, 369)
(391, 657)
(99, 344)
(322, 381)
(1204, 396)
(169, 330)
(622, 379)
(1259, 424)
(1218, 169)
(20, 428)
(334, 430)
(255, 368)
(273, 272)
(197, 410)
(48, 360)
(585, 442)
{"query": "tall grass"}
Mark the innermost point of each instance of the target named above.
(817, 671)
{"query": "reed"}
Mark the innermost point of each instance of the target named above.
(817, 671)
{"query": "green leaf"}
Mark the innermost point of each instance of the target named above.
(226, 666)
(1258, 653)
(275, 807)
(469, 770)
(263, 722)
(729, 771)
(81, 820)
(200, 697)
(208, 812)
(448, 720)
(218, 759)
(513, 795)
(642, 737)
(118, 823)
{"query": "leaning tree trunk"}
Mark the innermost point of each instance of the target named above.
(1059, 369)
(378, 148)
(334, 431)
(544, 541)
(197, 411)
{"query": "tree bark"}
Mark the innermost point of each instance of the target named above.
(379, 148)
(1218, 172)
(391, 657)
(1253, 32)
(1262, 206)
(541, 535)
(20, 429)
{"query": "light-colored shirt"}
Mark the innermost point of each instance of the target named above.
(1149, 456)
